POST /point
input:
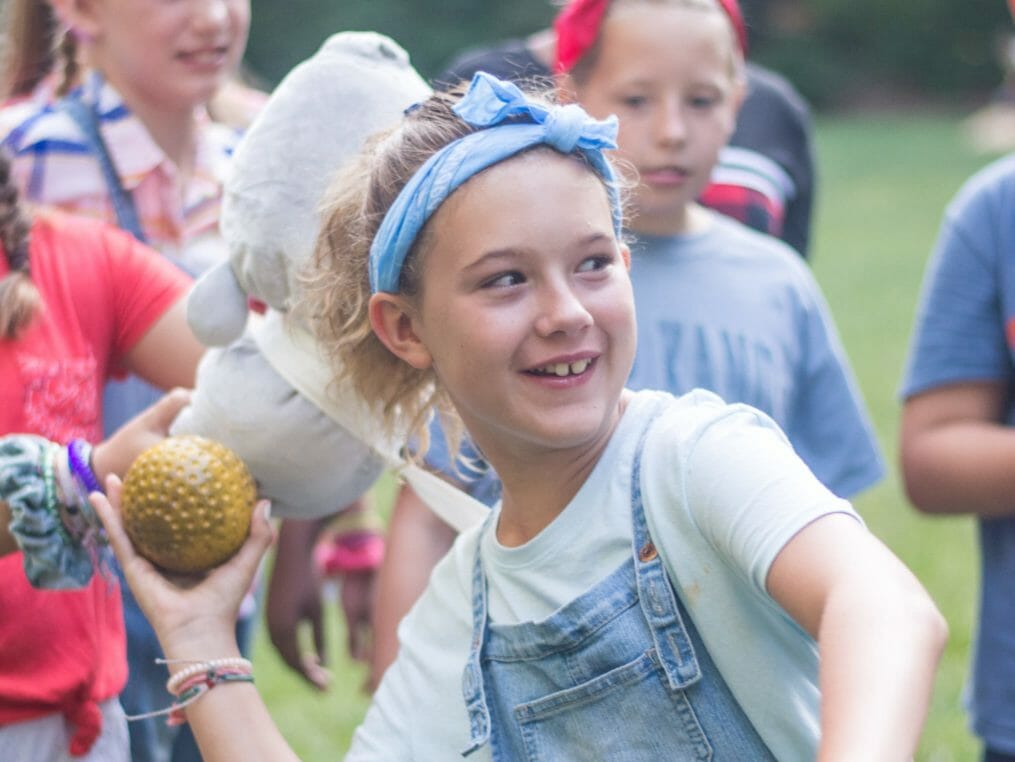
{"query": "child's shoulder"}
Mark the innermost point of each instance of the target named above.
(764, 258)
(746, 241)
(696, 411)
(993, 184)
(700, 426)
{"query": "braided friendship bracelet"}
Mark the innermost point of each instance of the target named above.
(52, 504)
(188, 685)
(209, 666)
(79, 456)
(191, 690)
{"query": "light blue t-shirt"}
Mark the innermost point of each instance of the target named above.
(738, 313)
(965, 331)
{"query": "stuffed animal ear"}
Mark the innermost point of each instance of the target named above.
(217, 307)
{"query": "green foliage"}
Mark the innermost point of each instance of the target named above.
(840, 51)
(926, 48)
(283, 34)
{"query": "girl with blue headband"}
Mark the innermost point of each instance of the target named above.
(663, 579)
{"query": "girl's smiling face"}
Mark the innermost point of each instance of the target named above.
(526, 312)
(170, 54)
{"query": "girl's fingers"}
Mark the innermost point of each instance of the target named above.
(108, 509)
(248, 557)
(262, 535)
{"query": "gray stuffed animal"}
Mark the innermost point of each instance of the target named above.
(319, 116)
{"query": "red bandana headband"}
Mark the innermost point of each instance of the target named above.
(577, 27)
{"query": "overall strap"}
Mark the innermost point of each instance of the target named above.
(659, 603)
(123, 205)
(472, 676)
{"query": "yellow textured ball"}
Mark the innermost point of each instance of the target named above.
(187, 503)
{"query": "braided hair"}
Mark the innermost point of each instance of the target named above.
(19, 299)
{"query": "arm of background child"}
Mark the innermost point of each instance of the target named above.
(197, 619)
(295, 588)
(956, 455)
(417, 540)
(879, 637)
(168, 353)
(294, 597)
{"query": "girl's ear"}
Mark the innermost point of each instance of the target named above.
(395, 325)
(77, 15)
(625, 254)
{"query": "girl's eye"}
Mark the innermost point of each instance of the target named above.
(704, 101)
(504, 280)
(592, 264)
(634, 101)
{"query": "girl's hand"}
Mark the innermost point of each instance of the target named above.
(147, 428)
(194, 616)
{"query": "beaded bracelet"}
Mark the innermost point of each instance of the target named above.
(199, 668)
(189, 684)
(79, 456)
(190, 690)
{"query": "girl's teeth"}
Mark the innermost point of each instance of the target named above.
(563, 369)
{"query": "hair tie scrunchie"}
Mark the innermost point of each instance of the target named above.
(577, 29)
(53, 558)
(508, 123)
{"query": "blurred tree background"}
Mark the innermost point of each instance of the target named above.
(839, 53)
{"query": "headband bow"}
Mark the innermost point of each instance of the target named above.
(507, 123)
(577, 27)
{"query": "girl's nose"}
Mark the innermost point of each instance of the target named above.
(561, 310)
(211, 13)
(670, 127)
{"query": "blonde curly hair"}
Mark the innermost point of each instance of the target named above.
(336, 285)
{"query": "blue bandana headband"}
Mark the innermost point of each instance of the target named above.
(508, 124)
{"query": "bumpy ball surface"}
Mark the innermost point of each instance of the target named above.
(187, 503)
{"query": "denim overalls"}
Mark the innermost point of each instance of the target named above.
(619, 673)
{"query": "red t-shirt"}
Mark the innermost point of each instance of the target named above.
(101, 292)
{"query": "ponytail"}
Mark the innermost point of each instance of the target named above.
(31, 35)
(19, 298)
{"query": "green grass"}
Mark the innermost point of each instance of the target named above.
(883, 184)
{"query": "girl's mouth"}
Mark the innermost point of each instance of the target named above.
(664, 176)
(562, 369)
(206, 57)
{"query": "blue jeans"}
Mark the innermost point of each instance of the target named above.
(619, 673)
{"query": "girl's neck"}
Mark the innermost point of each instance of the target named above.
(173, 128)
(692, 219)
(538, 486)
